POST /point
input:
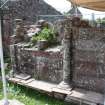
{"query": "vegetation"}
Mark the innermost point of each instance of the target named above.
(26, 95)
(8, 67)
(101, 21)
(46, 34)
(29, 96)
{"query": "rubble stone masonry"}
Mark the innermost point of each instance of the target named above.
(88, 63)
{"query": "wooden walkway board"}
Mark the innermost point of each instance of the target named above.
(35, 84)
(14, 80)
(20, 81)
(27, 81)
(79, 95)
(41, 85)
(62, 91)
(86, 96)
(22, 76)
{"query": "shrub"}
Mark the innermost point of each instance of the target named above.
(46, 34)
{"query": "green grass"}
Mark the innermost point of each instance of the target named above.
(30, 96)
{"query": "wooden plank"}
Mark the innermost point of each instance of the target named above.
(86, 96)
(41, 85)
(35, 84)
(15, 80)
(79, 95)
(22, 76)
(27, 81)
(79, 101)
(62, 91)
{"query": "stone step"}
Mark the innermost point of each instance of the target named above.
(86, 97)
(76, 95)
(62, 91)
(35, 84)
(41, 85)
(22, 76)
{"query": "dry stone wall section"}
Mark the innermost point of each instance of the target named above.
(89, 59)
(46, 66)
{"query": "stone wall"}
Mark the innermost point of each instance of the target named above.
(7, 31)
(46, 66)
(89, 59)
(28, 10)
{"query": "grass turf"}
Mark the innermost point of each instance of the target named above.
(30, 96)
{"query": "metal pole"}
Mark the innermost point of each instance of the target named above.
(3, 69)
(93, 19)
(5, 101)
(76, 12)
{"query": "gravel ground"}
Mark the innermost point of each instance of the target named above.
(12, 102)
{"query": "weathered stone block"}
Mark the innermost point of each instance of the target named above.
(90, 83)
(59, 96)
(91, 33)
(85, 69)
(81, 96)
(89, 45)
(89, 58)
(41, 65)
